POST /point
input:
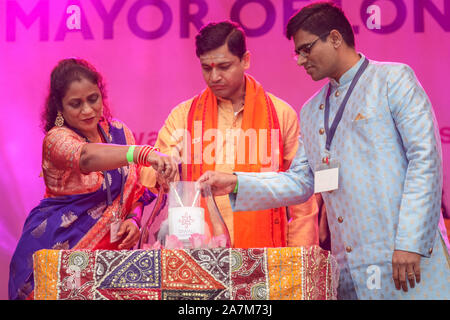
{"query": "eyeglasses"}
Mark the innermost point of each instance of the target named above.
(305, 49)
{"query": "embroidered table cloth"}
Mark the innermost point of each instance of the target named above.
(292, 273)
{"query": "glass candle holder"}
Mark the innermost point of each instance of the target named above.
(185, 218)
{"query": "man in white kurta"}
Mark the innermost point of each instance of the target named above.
(387, 204)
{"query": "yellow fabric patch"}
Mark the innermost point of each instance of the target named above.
(46, 271)
(285, 267)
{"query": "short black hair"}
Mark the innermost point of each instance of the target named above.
(320, 18)
(216, 34)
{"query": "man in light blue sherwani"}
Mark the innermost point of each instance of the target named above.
(375, 124)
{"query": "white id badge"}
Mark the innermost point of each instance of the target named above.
(326, 177)
(115, 226)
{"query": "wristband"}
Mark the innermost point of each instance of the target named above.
(130, 154)
(236, 188)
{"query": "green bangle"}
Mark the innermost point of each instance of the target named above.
(236, 188)
(130, 154)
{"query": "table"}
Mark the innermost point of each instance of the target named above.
(293, 273)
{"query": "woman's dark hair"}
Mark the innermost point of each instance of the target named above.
(215, 35)
(320, 18)
(67, 71)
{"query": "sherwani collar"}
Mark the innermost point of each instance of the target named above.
(348, 76)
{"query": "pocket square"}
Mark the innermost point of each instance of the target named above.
(359, 116)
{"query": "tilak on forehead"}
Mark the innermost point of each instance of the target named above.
(213, 59)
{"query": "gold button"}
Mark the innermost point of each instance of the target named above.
(348, 249)
(321, 106)
(321, 130)
(337, 93)
(430, 251)
(340, 219)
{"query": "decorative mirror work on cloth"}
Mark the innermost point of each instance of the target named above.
(301, 273)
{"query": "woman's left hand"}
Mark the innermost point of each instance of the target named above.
(129, 229)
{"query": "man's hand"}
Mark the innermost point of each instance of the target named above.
(405, 267)
(220, 183)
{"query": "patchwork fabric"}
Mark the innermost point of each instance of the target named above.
(76, 275)
(215, 261)
(128, 269)
(320, 279)
(46, 266)
(128, 294)
(192, 294)
(286, 271)
(249, 274)
(182, 272)
(194, 274)
(302, 274)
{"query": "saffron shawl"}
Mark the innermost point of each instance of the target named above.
(252, 229)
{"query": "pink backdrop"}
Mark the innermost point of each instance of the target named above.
(145, 49)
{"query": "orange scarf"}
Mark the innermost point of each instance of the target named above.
(252, 229)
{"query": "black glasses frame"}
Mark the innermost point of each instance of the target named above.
(305, 49)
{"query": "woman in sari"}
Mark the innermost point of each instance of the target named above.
(93, 198)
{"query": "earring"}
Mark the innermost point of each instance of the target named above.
(59, 121)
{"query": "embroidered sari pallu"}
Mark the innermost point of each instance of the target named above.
(291, 273)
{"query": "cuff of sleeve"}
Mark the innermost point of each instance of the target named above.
(425, 249)
(239, 201)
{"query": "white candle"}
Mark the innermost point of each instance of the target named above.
(185, 221)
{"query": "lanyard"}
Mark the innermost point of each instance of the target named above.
(331, 131)
(107, 183)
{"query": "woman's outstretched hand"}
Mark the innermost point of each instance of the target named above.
(166, 166)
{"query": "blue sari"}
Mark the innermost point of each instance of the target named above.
(61, 222)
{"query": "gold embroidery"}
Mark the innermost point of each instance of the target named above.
(40, 229)
(46, 265)
(61, 246)
(67, 219)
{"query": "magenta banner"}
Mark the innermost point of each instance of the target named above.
(145, 50)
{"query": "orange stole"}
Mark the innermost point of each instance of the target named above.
(252, 229)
